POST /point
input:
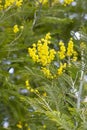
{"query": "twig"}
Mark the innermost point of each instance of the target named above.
(81, 79)
(35, 14)
(12, 43)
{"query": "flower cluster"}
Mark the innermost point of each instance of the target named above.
(35, 91)
(44, 2)
(61, 69)
(41, 53)
(20, 125)
(9, 3)
(47, 72)
(67, 2)
(70, 48)
(68, 52)
(29, 87)
(16, 28)
(62, 51)
(1, 6)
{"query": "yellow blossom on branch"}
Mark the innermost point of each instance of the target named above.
(48, 37)
(68, 51)
(19, 125)
(42, 1)
(67, 2)
(44, 94)
(74, 58)
(29, 129)
(9, 3)
(46, 72)
(33, 53)
(19, 3)
(62, 50)
(27, 84)
(70, 48)
(44, 126)
(15, 28)
(41, 53)
(61, 68)
(71, 53)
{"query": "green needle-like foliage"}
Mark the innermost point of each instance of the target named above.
(29, 99)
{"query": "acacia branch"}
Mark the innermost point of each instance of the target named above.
(81, 79)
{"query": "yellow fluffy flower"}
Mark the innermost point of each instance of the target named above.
(44, 94)
(32, 53)
(46, 72)
(67, 2)
(41, 52)
(29, 87)
(19, 125)
(27, 84)
(29, 129)
(70, 48)
(62, 50)
(9, 3)
(19, 3)
(43, 1)
(74, 58)
(61, 68)
(15, 29)
(75, 54)
(1, 6)
(48, 37)
(44, 126)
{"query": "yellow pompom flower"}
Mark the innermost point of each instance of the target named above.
(62, 50)
(48, 36)
(29, 129)
(51, 57)
(67, 2)
(27, 84)
(21, 27)
(74, 58)
(19, 3)
(32, 90)
(9, 3)
(32, 52)
(44, 126)
(41, 52)
(44, 94)
(19, 125)
(61, 69)
(15, 28)
(43, 1)
(75, 54)
(70, 48)
(1, 6)
(46, 72)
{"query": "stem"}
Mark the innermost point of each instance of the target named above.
(80, 90)
(13, 42)
(81, 79)
(50, 3)
(37, 14)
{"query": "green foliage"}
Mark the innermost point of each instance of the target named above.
(59, 103)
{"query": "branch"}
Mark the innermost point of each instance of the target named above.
(81, 79)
